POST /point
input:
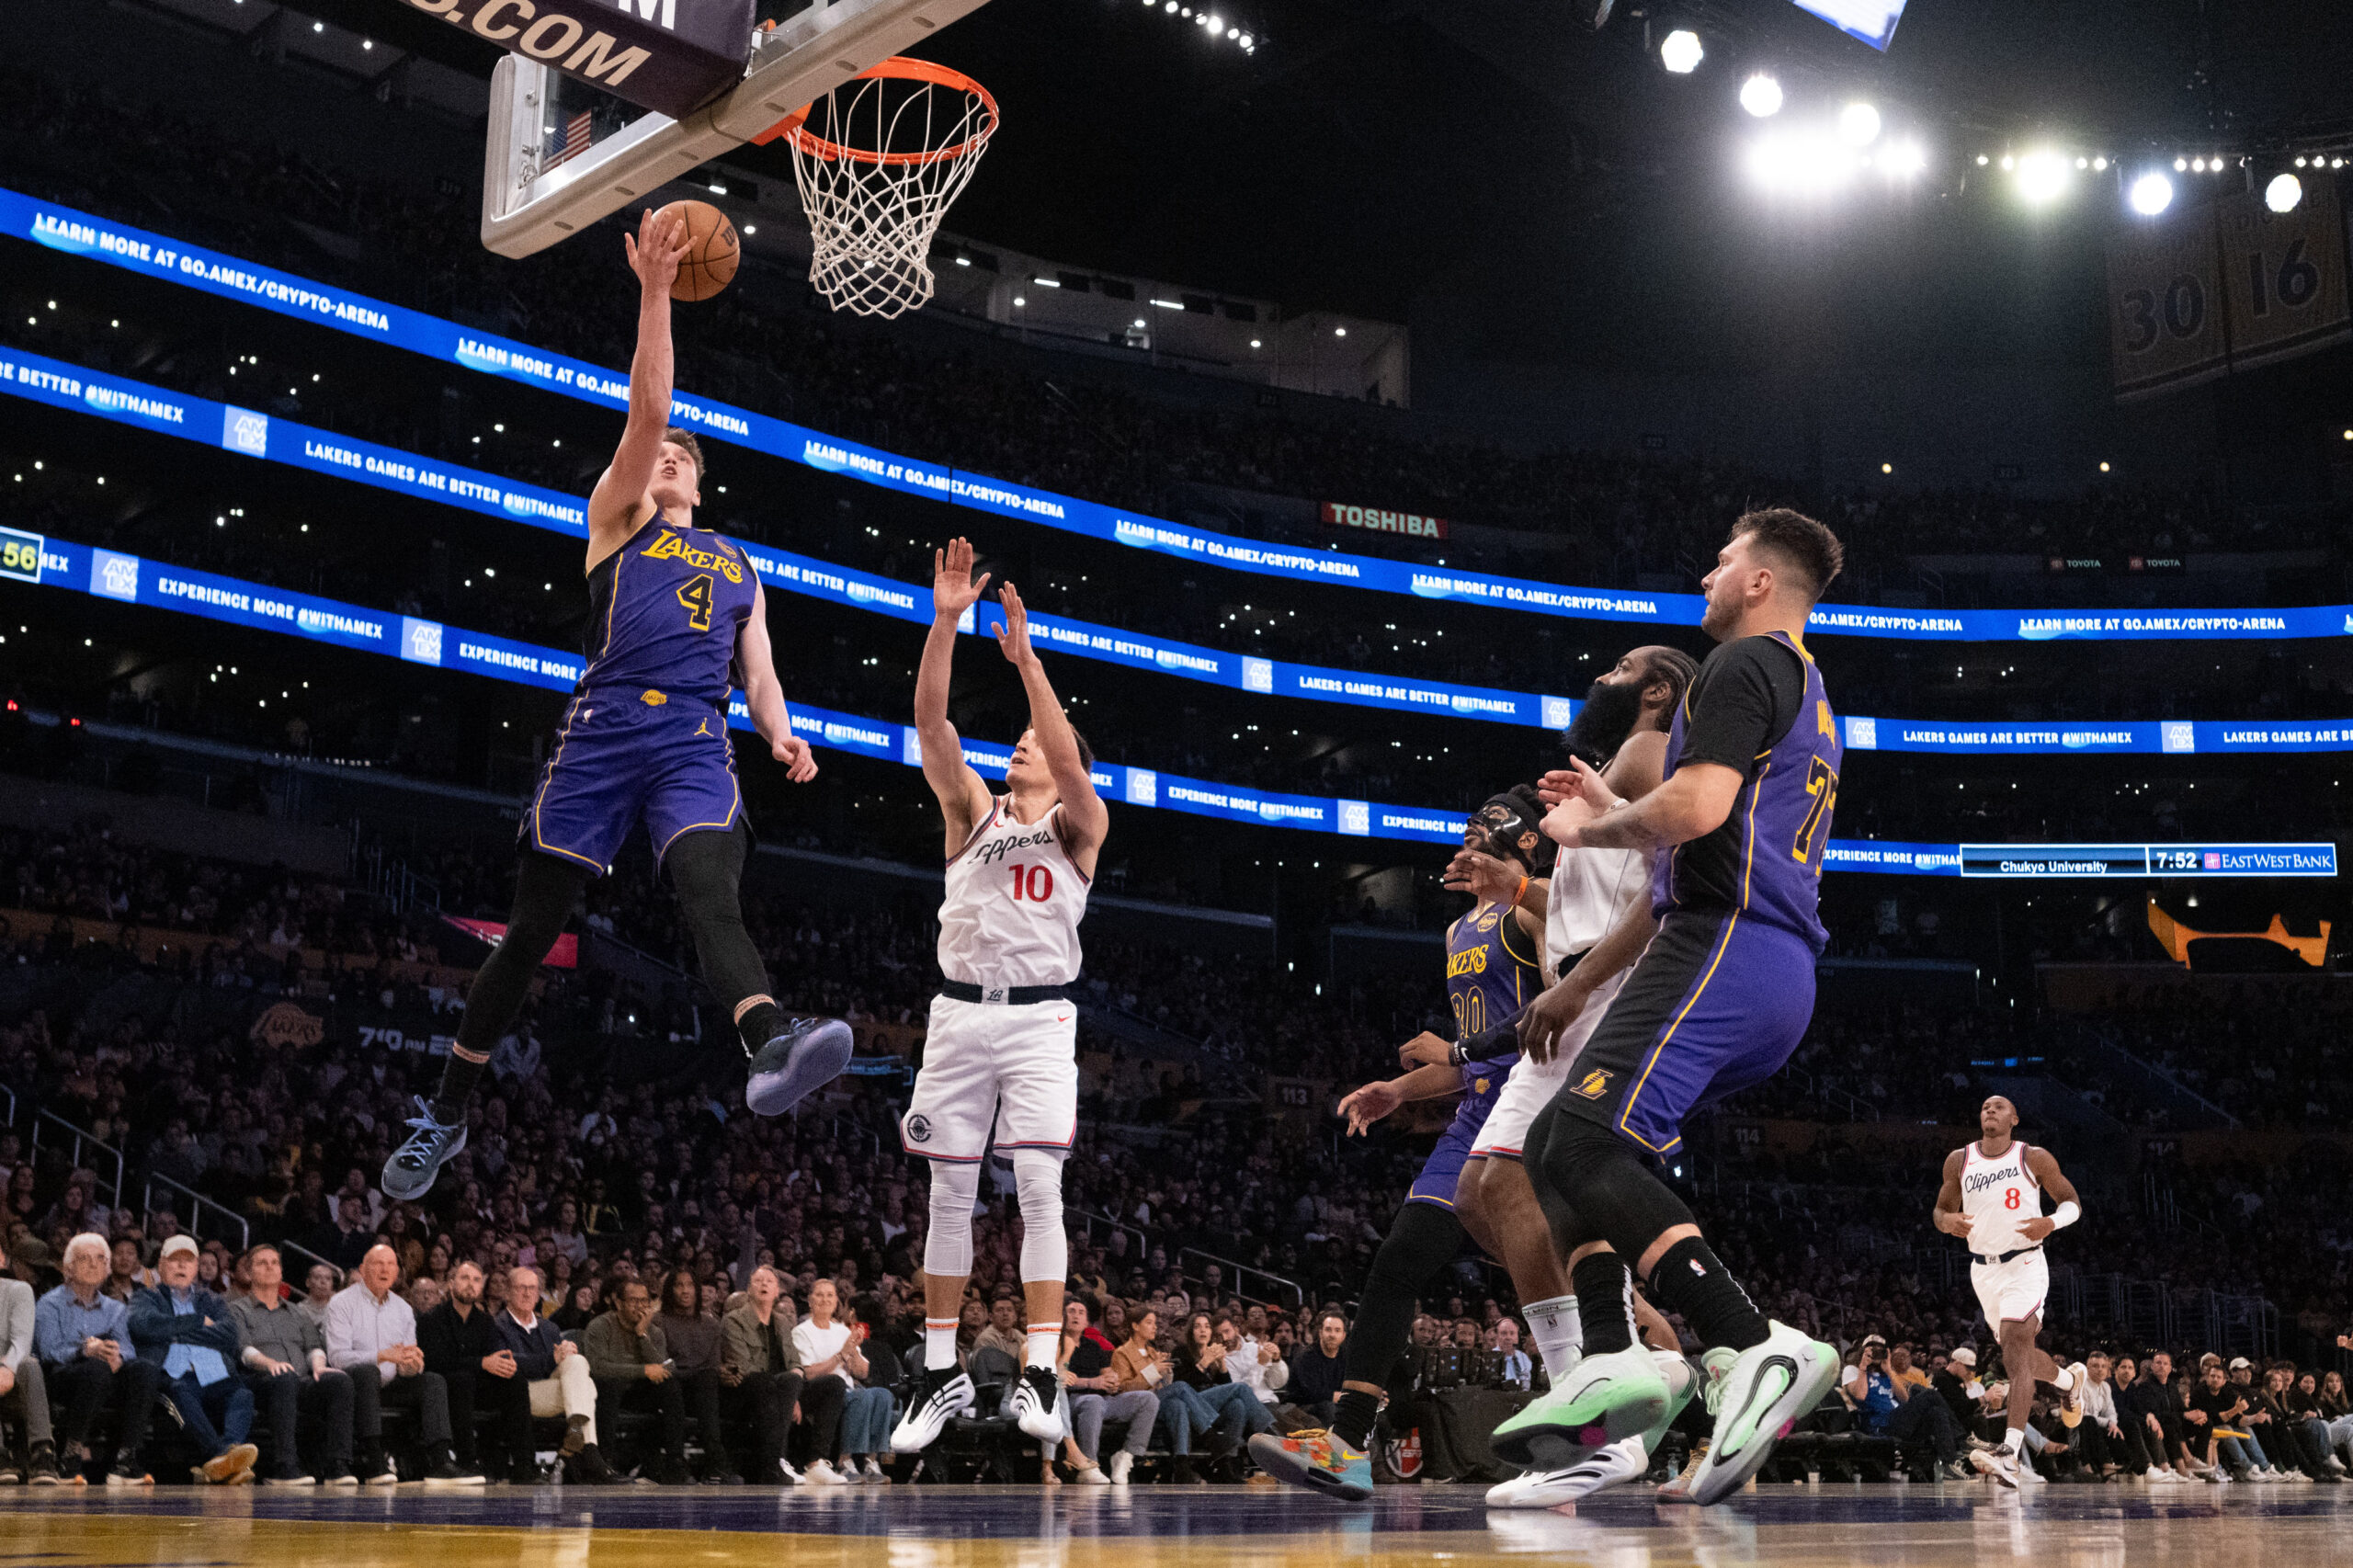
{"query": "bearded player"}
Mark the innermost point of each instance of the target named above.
(1002, 1047)
(1492, 972)
(1596, 909)
(675, 619)
(1717, 1002)
(1991, 1200)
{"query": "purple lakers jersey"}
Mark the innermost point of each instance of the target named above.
(1492, 972)
(1757, 706)
(664, 611)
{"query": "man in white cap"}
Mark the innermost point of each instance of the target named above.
(187, 1330)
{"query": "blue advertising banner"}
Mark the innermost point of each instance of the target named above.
(78, 233)
(251, 434)
(129, 579)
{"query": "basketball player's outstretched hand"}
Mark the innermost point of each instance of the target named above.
(1014, 635)
(1573, 781)
(800, 762)
(1370, 1104)
(656, 249)
(954, 589)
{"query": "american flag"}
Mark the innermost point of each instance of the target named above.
(575, 139)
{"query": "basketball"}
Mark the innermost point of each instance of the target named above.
(712, 250)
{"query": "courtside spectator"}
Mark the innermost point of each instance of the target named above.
(83, 1337)
(693, 1341)
(1886, 1405)
(1236, 1415)
(186, 1330)
(1513, 1368)
(760, 1375)
(630, 1359)
(458, 1344)
(24, 1392)
(1316, 1374)
(319, 1282)
(371, 1336)
(286, 1360)
(1251, 1357)
(1084, 1356)
(871, 1406)
(543, 1374)
(828, 1362)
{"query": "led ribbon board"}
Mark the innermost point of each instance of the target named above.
(130, 579)
(134, 250)
(253, 434)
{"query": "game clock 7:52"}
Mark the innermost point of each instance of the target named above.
(2174, 860)
(20, 555)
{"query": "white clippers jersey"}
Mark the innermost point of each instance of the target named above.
(1591, 889)
(1998, 1196)
(1014, 901)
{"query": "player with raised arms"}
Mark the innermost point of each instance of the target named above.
(1991, 1198)
(676, 619)
(1716, 1003)
(1001, 1046)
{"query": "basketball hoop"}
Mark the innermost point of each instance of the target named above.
(879, 159)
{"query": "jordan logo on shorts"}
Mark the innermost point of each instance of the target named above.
(1593, 1083)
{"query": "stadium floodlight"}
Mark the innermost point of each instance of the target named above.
(2151, 194)
(1902, 159)
(1761, 95)
(1682, 52)
(2282, 194)
(2180, 165)
(1803, 163)
(1859, 124)
(2043, 177)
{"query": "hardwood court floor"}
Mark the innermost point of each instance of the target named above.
(1158, 1526)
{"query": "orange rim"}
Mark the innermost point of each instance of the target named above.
(901, 68)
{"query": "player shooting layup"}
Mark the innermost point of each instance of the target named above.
(1717, 1002)
(675, 619)
(1991, 1200)
(1003, 1041)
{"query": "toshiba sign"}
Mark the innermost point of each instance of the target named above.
(1374, 519)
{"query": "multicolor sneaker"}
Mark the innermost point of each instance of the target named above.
(1317, 1458)
(806, 1056)
(1608, 1398)
(410, 1171)
(1767, 1389)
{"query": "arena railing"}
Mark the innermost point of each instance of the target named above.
(63, 384)
(83, 1140)
(309, 1260)
(1237, 1275)
(158, 256)
(199, 1206)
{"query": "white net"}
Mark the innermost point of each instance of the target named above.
(879, 160)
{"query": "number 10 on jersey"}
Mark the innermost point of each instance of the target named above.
(1033, 884)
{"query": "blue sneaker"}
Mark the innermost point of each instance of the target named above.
(791, 1066)
(410, 1172)
(1315, 1459)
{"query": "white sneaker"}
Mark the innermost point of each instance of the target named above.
(1039, 1407)
(2154, 1475)
(1612, 1464)
(938, 1395)
(1768, 1387)
(1093, 1476)
(2071, 1403)
(874, 1472)
(1122, 1462)
(1998, 1465)
(822, 1473)
(791, 1476)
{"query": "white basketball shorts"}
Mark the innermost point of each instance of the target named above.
(1533, 1085)
(1017, 1066)
(2015, 1290)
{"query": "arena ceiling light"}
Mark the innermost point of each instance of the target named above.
(1859, 125)
(1682, 52)
(1761, 95)
(2282, 194)
(2043, 177)
(1903, 160)
(1804, 164)
(2151, 194)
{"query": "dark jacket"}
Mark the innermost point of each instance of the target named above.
(694, 1341)
(454, 1345)
(614, 1352)
(155, 1327)
(746, 1347)
(534, 1348)
(1314, 1377)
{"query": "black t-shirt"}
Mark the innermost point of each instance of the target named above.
(1741, 703)
(1088, 1359)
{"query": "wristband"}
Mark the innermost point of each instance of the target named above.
(1519, 892)
(2066, 1214)
(1458, 1053)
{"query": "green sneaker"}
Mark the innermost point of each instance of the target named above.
(1606, 1399)
(1763, 1392)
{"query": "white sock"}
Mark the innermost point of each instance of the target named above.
(939, 1344)
(2015, 1438)
(1044, 1343)
(1560, 1338)
(2064, 1382)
